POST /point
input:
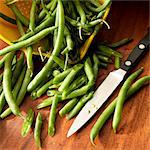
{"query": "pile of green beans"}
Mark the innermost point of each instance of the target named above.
(63, 26)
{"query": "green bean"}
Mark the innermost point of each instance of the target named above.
(96, 65)
(7, 85)
(47, 102)
(120, 43)
(121, 98)
(52, 92)
(28, 50)
(44, 88)
(32, 16)
(82, 15)
(111, 107)
(52, 117)
(100, 8)
(104, 65)
(65, 84)
(45, 24)
(44, 8)
(19, 83)
(88, 69)
(96, 3)
(79, 105)
(21, 94)
(59, 61)
(18, 14)
(27, 42)
(54, 86)
(61, 76)
(117, 62)
(27, 123)
(79, 92)
(101, 14)
(109, 50)
(68, 107)
(8, 19)
(43, 13)
(75, 85)
(57, 48)
(37, 130)
(103, 54)
(15, 90)
(105, 59)
(52, 8)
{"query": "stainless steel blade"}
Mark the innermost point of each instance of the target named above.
(101, 95)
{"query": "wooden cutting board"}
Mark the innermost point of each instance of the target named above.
(127, 19)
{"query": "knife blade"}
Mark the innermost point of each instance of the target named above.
(108, 86)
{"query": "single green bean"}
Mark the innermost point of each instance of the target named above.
(57, 48)
(88, 70)
(27, 42)
(52, 117)
(8, 19)
(117, 62)
(27, 123)
(32, 15)
(44, 88)
(72, 9)
(61, 76)
(111, 107)
(79, 105)
(68, 107)
(59, 61)
(21, 94)
(37, 130)
(7, 85)
(96, 65)
(121, 98)
(65, 84)
(120, 43)
(48, 102)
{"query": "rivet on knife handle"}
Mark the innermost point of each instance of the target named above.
(137, 53)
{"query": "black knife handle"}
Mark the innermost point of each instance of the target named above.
(137, 53)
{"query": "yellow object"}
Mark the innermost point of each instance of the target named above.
(9, 32)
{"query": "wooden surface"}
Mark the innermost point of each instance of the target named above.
(126, 19)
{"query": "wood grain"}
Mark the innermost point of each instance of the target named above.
(127, 19)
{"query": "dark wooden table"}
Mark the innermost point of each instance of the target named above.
(127, 19)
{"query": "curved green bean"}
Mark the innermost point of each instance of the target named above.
(96, 65)
(121, 98)
(111, 107)
(20, 95)
(7, 85)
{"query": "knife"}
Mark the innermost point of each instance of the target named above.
(109, 85)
